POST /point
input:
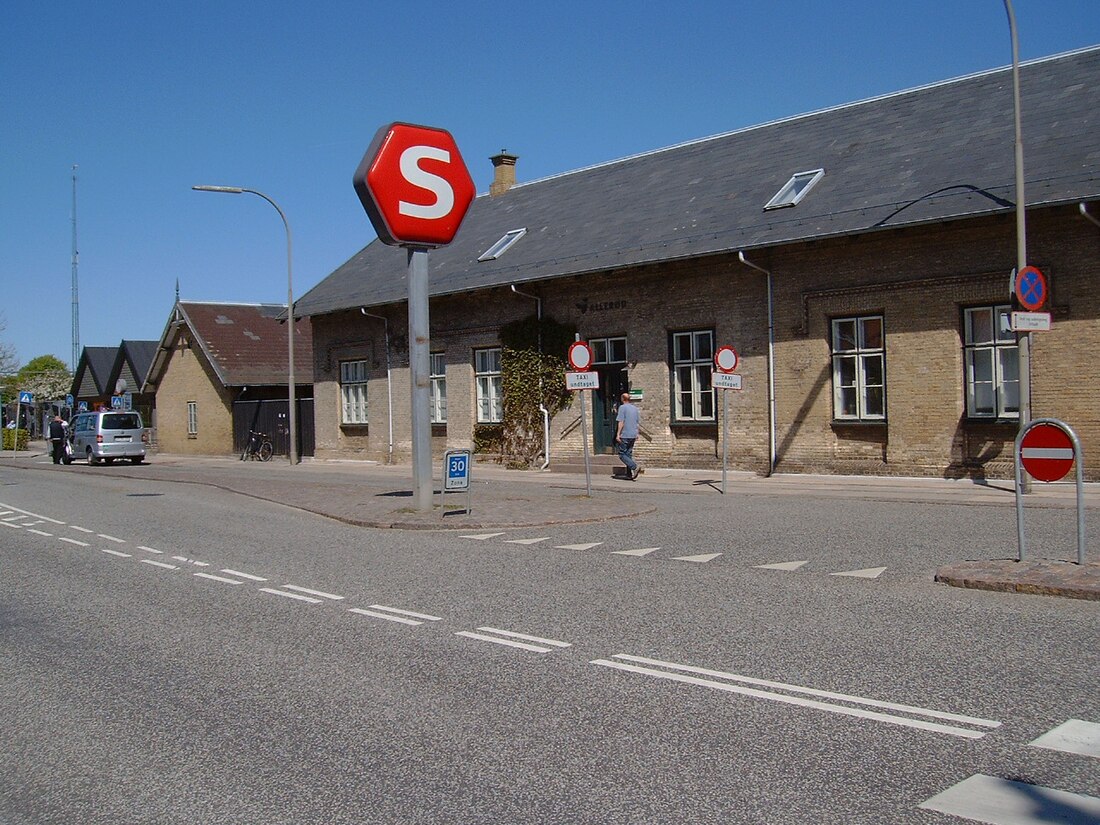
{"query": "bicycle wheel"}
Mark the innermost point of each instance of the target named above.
(266, 450)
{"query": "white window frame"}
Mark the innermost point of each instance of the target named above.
(489, 381)
(991, 363)
(859, 369)
(692, 364)
(503, 245)
(192, 418)
(795, 189)
(437, 391)
(354, 380)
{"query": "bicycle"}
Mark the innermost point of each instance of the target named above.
(258, 447)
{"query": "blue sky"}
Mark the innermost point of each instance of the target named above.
(149, 99)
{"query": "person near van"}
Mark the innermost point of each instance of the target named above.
(626, 433)
(57, 438)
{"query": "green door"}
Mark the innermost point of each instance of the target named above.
(609, 360)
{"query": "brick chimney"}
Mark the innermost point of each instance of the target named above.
(504, 172)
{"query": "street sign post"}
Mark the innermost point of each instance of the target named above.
(1046, 448)
(457, 465)
(580, 358)
(416, 189)
(724, 378)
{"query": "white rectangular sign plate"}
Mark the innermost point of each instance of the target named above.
(1031, 322)
(726, 380)
(582, 380)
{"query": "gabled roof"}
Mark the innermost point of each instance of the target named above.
(93, 371)
(132, 364)
(936, 153)
(245, 344)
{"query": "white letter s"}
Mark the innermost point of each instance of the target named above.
(411, 171)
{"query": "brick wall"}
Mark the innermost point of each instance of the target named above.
(188, 377)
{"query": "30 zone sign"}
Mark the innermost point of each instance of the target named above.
(414, 185)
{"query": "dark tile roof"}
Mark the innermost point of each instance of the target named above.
(132, 364)
(940, 152)
(95, 363)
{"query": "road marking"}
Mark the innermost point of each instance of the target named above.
(513, 635)
(149, 549)
(217, 578)
(426, 617)
(289, 595)
(641, 551)
(40, 532)
(114, 552)
(81, 529)
(702, 558)
(319, 593)
(374, 613)
(796, 700)
(526, 541)
(163, 564)
(868, 573)
(783, 565)
(1074, 736)
(588, 546)
(12, 519)
(72, 541)
(111, 538)
(28, 514)
(248, 576)
(997, 801)
(482, 536)
(496, 640)
(9, 524)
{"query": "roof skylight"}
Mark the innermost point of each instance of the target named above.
(795, 189)
(502, 246)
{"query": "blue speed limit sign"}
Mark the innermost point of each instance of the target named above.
(456, 470)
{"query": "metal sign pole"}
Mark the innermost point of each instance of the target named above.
(584, 436)
(420, 379)
(725, 435)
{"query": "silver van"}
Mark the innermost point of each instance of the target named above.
(105, 436)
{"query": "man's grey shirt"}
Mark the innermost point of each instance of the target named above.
(628, 414)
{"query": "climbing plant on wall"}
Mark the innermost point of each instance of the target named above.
(531, 374)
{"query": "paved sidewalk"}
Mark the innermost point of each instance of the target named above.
(372, 495)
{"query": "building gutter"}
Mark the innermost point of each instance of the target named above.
(389, 379)
(771, 361)
(1083, 209)
(542, 407)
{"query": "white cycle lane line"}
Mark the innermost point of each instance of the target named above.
(509, 638)
(857, 706)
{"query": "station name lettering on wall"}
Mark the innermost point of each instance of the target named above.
(600, 306)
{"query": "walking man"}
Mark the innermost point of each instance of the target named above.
(626, 433)
(57, 438)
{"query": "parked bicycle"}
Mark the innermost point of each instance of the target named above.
(259, 447)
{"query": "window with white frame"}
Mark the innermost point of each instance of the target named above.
(353, 391)
(438, 388)
(859, 369)
(192, 418)
(490, 410)
(692, 362)
(795, 189)
(992, 368)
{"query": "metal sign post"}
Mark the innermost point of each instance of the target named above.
(725, 360)
(420, 379)
(1046, 448)
(457, 465)
(584, 435)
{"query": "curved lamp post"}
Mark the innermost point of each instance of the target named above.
(238, 190)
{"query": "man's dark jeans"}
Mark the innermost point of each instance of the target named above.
(626, 453)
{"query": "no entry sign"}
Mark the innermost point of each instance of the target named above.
(1046, 452)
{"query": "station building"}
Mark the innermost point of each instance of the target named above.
(859, 260)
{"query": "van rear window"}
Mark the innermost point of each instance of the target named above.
(121, 421)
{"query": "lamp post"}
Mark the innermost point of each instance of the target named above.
(1023, 339)
(237, 190)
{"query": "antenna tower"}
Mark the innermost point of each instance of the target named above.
(76, 291)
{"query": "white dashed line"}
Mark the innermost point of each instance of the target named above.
(40, 532)
(217, 578)
(375, 614)
(111, 538)
(72, 541)
(289, 595)
(81, 529)
(319, 593)
(248, 576)
(497, 640)
(114, 552)
(423, 616)
(9, 524)
(163, 564)
(149, 549)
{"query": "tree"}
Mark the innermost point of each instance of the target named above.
(46, 376)
(8, 362)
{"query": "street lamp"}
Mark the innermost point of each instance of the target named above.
(237, 190)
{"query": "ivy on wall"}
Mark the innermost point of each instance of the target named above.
(529, 377)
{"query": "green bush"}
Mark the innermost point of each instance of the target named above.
(20, 436)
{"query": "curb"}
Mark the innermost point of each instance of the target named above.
(1043, 577)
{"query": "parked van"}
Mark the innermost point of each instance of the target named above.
(105, 436)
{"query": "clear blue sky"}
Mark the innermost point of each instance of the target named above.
(151, 98)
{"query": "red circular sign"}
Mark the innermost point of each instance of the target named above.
(414, 185)
(725, 359)
(1031, 288)
(1046, 451)
(580, 356)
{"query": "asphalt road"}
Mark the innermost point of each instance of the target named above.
(175, 654)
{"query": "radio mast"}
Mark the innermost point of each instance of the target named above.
(76, 291)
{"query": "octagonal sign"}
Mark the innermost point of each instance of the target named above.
(414, 185)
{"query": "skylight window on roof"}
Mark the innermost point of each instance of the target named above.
(795, 189)
(503, 245)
